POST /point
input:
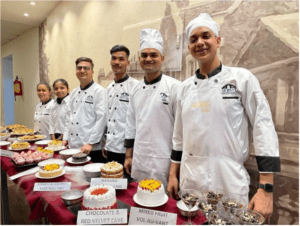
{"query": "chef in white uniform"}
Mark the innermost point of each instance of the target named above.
(42, 110)
(151, 114)
(118, 101)
(86, 115)
(59, 109)
(218, 111)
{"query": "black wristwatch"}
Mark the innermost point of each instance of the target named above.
(266, 187)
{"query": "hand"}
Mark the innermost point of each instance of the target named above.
(86, 148)
(172, 188)
(65, 143)
(128, 164)
(262, 202)
(104, 153)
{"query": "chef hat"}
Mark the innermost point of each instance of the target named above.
(151, 38)
(203, 20)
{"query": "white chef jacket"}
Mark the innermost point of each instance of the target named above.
(214, 123)
(150, 122)
(42, 118)
(118, 101)
(58, 116)
(86, 116)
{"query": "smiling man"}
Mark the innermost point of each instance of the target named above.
(86, 115)
(218, 111)
(118, 101)
(151, 114)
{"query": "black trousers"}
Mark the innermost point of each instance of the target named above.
(117, 157)
(96, 156)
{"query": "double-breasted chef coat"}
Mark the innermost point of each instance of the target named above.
(86, 116)
(59, 116)
(215, 119)
(118, 101)
(150, 121)
(42, 118)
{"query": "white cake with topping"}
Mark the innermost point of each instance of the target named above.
(150, 192)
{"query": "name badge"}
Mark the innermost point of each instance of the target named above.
(140, 216)
(115, 216)
(55, 186)
(116, 183)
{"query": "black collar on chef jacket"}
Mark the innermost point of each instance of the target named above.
(210, 74)
(46, 102)
(87, 86)
(122, 79)
(59, 100)
(157, 79)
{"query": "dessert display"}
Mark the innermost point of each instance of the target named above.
(4, 134)
(251, 217)
(112, 170)
(47, 151)
(2, 128)
(22, 131)
(55, 145)
(20, 145)
(15, 126)
(221, 221)
(213, 197)
(231, 205)
(99, 197)
(80, 157)
(50, 170)
(208, 209)
(150, 192)
(29, 157)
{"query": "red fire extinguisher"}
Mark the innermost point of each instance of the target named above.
(17, 87)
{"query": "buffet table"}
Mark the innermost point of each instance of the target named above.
(50, 205)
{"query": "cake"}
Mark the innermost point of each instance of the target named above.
(99, 197)
(50, 170)
(150, 192)
(79, 157)
(112, 170)
(55, 145)
(20, 145)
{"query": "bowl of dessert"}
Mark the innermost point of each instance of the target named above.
(184, 211)
(213, 196)
(72, 197)
(250, 217)
(207, 208)
(92, 170)
(232, 205)
(223, 218)
(65, 154)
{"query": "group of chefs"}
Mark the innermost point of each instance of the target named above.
(191, 134)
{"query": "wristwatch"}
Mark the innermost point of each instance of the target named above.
(266, 187)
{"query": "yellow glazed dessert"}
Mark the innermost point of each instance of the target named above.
(50, 170)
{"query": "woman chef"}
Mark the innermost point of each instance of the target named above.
(216, 109)
(43, 109)
(59, 109)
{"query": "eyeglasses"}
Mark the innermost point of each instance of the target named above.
(86, 68)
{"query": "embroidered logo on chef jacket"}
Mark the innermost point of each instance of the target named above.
(89, 99)
(47, 111)
(164, 98)
(229, 92)
(124, 97)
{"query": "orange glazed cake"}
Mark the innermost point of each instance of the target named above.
(112, 170)
(99, 197)
(50, 170)
(150, 192)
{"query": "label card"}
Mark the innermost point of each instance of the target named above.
(115, 216)
(55, 186)
(116, 183)
(140, 216)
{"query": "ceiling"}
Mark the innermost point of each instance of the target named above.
(13, 21)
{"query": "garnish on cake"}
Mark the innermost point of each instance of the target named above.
(51, 167)
(151, 184)
(99, 191)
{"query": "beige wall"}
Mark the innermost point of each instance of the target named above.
(25, 53)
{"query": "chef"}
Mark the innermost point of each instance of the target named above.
(151, 114)
(86, 114)
(218, 110)
(43, 109)
(118, 101)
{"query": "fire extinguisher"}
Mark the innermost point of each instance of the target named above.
(17, 87)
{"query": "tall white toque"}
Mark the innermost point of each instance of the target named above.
(151, 38)
(203, 20)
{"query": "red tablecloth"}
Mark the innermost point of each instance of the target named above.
(50, 204)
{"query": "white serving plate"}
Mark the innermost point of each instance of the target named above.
(5, 137)
(35, 139)
(70, 160)
(62, 148)
(42, 142)
(38, 175)
(165, 200)
(4, 143)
